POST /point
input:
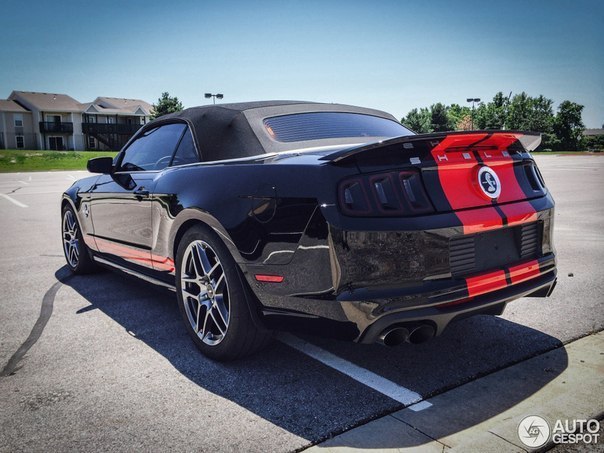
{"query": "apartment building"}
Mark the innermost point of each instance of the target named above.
(16, 124)
(59, 122)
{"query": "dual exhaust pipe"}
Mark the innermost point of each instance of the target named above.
(415, 334)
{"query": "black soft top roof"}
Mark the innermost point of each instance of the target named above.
(232, 131)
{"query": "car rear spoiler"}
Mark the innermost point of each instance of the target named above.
(459, 139)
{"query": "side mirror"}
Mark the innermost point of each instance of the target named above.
(100, 165)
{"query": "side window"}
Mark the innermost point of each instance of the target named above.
(153, 150)
(186, 152)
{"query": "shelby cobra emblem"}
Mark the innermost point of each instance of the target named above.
(489, 182)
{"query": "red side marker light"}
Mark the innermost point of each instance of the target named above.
(269, 278)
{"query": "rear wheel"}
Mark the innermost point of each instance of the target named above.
(214, 299)
(76, 253)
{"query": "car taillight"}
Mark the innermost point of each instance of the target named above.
(389, 194)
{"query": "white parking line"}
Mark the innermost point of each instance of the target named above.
(23, 182)
(12, 200)
(378, 383)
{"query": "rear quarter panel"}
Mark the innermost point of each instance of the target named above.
(260, 210)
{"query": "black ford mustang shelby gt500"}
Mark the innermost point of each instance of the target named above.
(317, 217)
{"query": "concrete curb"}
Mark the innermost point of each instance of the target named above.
(568, 383)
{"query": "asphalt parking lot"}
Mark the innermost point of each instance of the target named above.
(103, 362)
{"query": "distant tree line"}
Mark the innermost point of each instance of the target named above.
(562, 130)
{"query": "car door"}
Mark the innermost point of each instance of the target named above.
(120, 203)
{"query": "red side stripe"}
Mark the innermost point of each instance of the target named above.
(485, 283)
(122, 251)
(89, 241)
(161, 263)
(142, 257)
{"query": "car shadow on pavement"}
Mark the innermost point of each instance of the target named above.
(307, 398)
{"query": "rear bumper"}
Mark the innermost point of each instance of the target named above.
(439, 315)
(355, 283)
(363, 314)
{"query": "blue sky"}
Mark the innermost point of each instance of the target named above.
(390, 55)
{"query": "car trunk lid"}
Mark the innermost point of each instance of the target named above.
(459, 170)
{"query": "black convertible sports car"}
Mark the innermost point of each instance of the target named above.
(325, 218)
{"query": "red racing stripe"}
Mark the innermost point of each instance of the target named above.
(477, 220)
(518, 213)
(456, 175)
(503, 164)
(495, 280)
(455, 169)
(485, 283)
(525, 271)
(458, 166)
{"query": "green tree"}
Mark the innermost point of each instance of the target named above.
(418, 120)
(458, 116)
(166, 104)
(492, 115)
(568, 125)
(542, 115)
(439, 120)
(519, 113)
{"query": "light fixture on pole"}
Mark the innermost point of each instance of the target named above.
(214, 96)
(472, 100)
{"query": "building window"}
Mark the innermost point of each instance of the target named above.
(56, 143)
(20, 141)
(18, 117)
(91, 142)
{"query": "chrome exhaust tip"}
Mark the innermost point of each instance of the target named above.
(421, 334)
(394, 336)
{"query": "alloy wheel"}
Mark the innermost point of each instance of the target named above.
(70, 239)
(205, 292)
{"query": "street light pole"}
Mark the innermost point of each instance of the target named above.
(472, 100)
(214, 96)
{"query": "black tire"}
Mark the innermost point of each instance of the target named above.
(214, 300)
(78, 256)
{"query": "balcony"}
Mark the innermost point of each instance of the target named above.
(53, 126)
(110, 128)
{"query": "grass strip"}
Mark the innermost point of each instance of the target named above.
(30, 160)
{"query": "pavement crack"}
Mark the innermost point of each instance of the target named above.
(507, 441)
(14, 190)
(415, 428)
(36, 332)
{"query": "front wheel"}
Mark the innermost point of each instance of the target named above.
(76, 253)
(213, 298)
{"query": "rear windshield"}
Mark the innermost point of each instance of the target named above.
(323, 125)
